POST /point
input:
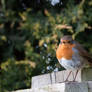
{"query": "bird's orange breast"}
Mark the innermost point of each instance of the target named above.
(64, 51)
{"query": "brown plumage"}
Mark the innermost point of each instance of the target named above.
(83, 52)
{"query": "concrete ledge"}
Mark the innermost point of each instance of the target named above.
(51, 82)
(90, 86)
(63, 87)
(57, 77)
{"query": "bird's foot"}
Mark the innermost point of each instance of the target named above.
(67, 81)
(64, 81)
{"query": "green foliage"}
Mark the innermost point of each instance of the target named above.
(29, 36)
(12, 75)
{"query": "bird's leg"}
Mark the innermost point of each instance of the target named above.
(76, 75)
(68, 76)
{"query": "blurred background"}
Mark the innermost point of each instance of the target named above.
(30, 31)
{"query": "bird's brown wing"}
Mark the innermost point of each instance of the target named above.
(83, 52)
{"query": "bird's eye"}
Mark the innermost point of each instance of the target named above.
(69, 42)
(63, 42)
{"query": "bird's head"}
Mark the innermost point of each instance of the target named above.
(67, 42)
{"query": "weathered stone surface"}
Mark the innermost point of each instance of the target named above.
(54, 82)
(58, 77)
(60, 87)
(41, 80)
(76, 87)
(89, 86)
(86, 74)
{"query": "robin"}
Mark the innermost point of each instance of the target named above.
(72, 56)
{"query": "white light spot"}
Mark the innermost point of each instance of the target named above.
(53, 2)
